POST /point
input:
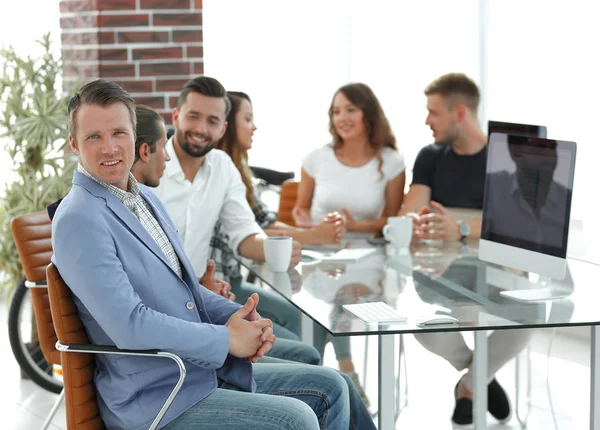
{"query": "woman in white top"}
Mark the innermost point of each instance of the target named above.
(361, 173)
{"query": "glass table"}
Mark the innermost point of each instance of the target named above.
(432, 279)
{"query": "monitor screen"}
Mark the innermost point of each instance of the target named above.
(527, 197)
(517, 129)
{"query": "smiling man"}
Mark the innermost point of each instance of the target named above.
(202, 188)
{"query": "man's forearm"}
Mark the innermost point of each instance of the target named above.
(252, 247)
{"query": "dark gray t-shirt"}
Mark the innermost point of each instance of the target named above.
(455, 180)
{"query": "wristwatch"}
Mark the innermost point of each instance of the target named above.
(464, 229)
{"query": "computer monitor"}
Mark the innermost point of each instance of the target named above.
(527, 203)
(517, 129)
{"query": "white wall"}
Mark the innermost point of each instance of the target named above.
(291, 59)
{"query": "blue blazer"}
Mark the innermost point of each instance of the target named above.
(128, 295)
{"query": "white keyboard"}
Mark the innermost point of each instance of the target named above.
(375, 312)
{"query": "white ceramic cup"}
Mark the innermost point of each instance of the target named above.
(283, 284)
(398, 231)
(278, 253)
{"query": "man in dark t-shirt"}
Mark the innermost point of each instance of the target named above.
(450, 173)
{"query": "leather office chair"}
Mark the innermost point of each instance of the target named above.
(78, 363)
(287, 200)
(32, 235)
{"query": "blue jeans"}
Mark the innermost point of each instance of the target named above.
(270, 305)
(293, 350)
(288, 397)
(341, 345)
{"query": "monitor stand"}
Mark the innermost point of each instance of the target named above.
(539, 288)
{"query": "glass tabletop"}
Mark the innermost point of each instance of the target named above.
(433, 279)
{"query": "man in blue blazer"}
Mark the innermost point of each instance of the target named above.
(118, 251)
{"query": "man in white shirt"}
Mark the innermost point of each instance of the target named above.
(201, 187)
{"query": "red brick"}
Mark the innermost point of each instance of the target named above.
(107, 37)
(155, 102)
(143, 37)
(95, 54)
(192, 18)
(113, 54)
(187, 36)
(115, 4)
(198, 68)
(80, 21)
(81, 71)
(77, 5)
(136, 86)
(198, 4)
(117, 70)
(80, 54)
(138, 20)
(168, 117)
(80, 38)
(155, 53)
(165, 69)
(195, 51)
(173, 101)
(163, 85)
(164, 4)
(92, 38)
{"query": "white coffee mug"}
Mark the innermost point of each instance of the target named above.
(282, 283)
(398, 231)
(278, 253)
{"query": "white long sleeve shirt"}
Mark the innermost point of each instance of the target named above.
(217, 193)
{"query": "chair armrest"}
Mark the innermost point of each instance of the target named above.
(36, 284)
(109, 349)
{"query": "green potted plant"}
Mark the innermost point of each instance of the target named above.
(33, 127)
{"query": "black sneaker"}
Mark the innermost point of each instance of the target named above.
(463, 411)
(498, 403)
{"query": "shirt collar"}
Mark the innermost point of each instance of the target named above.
(173, 168)
(552, 198)
(132, 185)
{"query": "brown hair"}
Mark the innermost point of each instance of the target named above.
(456, 88)
(376, 123)
(229, 143)
(206, 86)
(100, 93)
(149, 129)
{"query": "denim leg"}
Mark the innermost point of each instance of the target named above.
(294, 350)
(359, 415)
(341, 345)
(323, 389)
(230, 409)
(270, 305)
(283, 333)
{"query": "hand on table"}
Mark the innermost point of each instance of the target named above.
(435, 225)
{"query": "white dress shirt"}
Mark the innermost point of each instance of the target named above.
(217, 193)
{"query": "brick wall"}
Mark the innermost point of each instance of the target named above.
(150, 47)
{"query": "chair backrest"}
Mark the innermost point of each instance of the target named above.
(287, 200)
(32, 235)
(78, 368)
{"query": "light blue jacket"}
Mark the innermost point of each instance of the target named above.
(128, 295)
